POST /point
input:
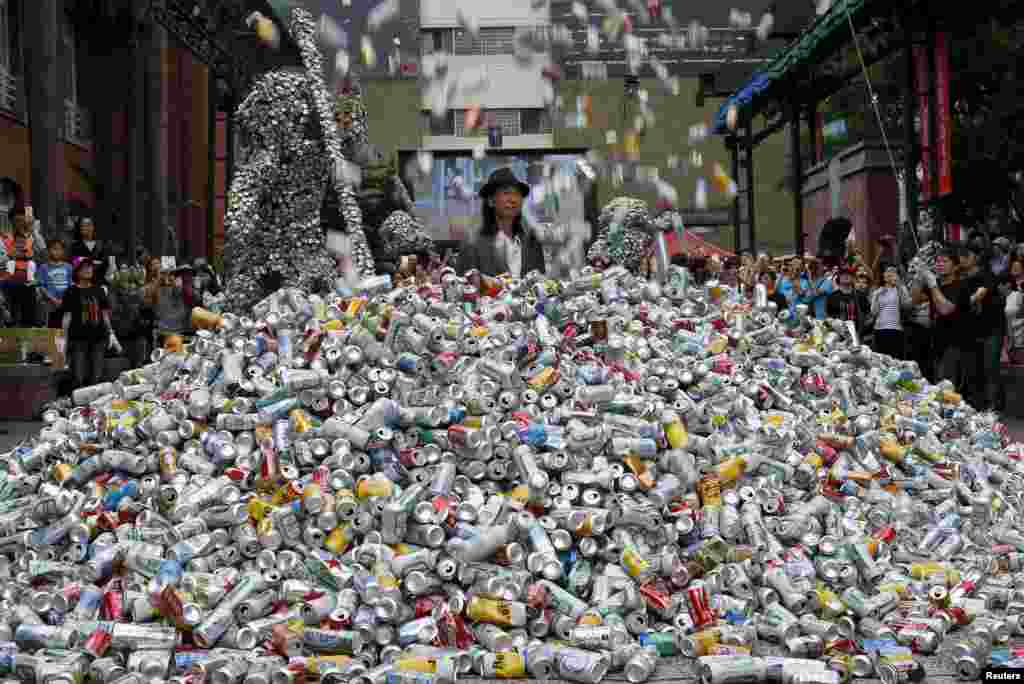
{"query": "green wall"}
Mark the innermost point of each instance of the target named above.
(773, 207)
(393, 107)
(394, 110)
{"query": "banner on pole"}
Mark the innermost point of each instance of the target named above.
(944, 116)
(924, 174)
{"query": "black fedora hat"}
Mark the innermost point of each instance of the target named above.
(503, 178)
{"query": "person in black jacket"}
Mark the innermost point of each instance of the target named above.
(848, 304)
(86, 246)
(504, 245)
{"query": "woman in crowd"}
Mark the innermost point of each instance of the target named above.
(503, 246)
(818, 286)
(86, 246)
(792, 284)
(888, 305)
(86, 322)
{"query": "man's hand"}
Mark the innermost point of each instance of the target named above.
(113, 343)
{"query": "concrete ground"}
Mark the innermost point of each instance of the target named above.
(675, 669)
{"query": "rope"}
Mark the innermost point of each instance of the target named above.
(878, 115)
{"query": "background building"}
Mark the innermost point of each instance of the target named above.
(400, 119)
(100, 114)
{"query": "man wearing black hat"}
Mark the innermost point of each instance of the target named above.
(503, 245)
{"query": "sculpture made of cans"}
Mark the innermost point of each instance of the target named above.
(391, 228)
(623, 238)
(272, 226)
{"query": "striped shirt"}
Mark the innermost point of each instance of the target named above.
(888, 309)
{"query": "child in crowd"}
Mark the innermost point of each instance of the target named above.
(19, 275)
(54, 280)
(86, 323)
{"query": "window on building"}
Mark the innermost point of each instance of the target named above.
(443, 126)
(492, 40)
(535, 121)
(436, 40)
(507, 119)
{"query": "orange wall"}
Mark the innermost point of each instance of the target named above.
(16, 162)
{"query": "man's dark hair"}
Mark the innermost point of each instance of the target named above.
(54, 241)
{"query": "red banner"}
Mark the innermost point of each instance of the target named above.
(944, 116)
(924, 116)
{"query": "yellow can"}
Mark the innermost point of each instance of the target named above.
(61, 471)
(591, 618)
(545, 378)
(920, 571)
(519, 496)
(259, 509)
(340, 539)
(730, 470)
(314, 664)
(373, 487)
(312, 491)
(416, 664)
(704, 641)
(505, 665)
(891, 450)
(496, 612)
(635, 564)
(676, 434)
(300, 421)
(203, 319)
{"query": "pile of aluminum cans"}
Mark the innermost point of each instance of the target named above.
(521, 479)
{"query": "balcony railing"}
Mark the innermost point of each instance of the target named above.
(76, 124)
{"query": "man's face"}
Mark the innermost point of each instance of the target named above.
(969, 260)
(863, 282)
(943, 265)
(507, 202)
(56, 252)
(891, 277)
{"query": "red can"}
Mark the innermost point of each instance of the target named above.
(112, 605)
(536, 596)
(97, 643)
(426, 605)
(699, 605)
(656, 595)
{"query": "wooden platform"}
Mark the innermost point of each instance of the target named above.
(26, 388)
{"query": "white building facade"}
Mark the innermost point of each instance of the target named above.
(484, 72)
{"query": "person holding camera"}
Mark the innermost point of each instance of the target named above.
(951, 305)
